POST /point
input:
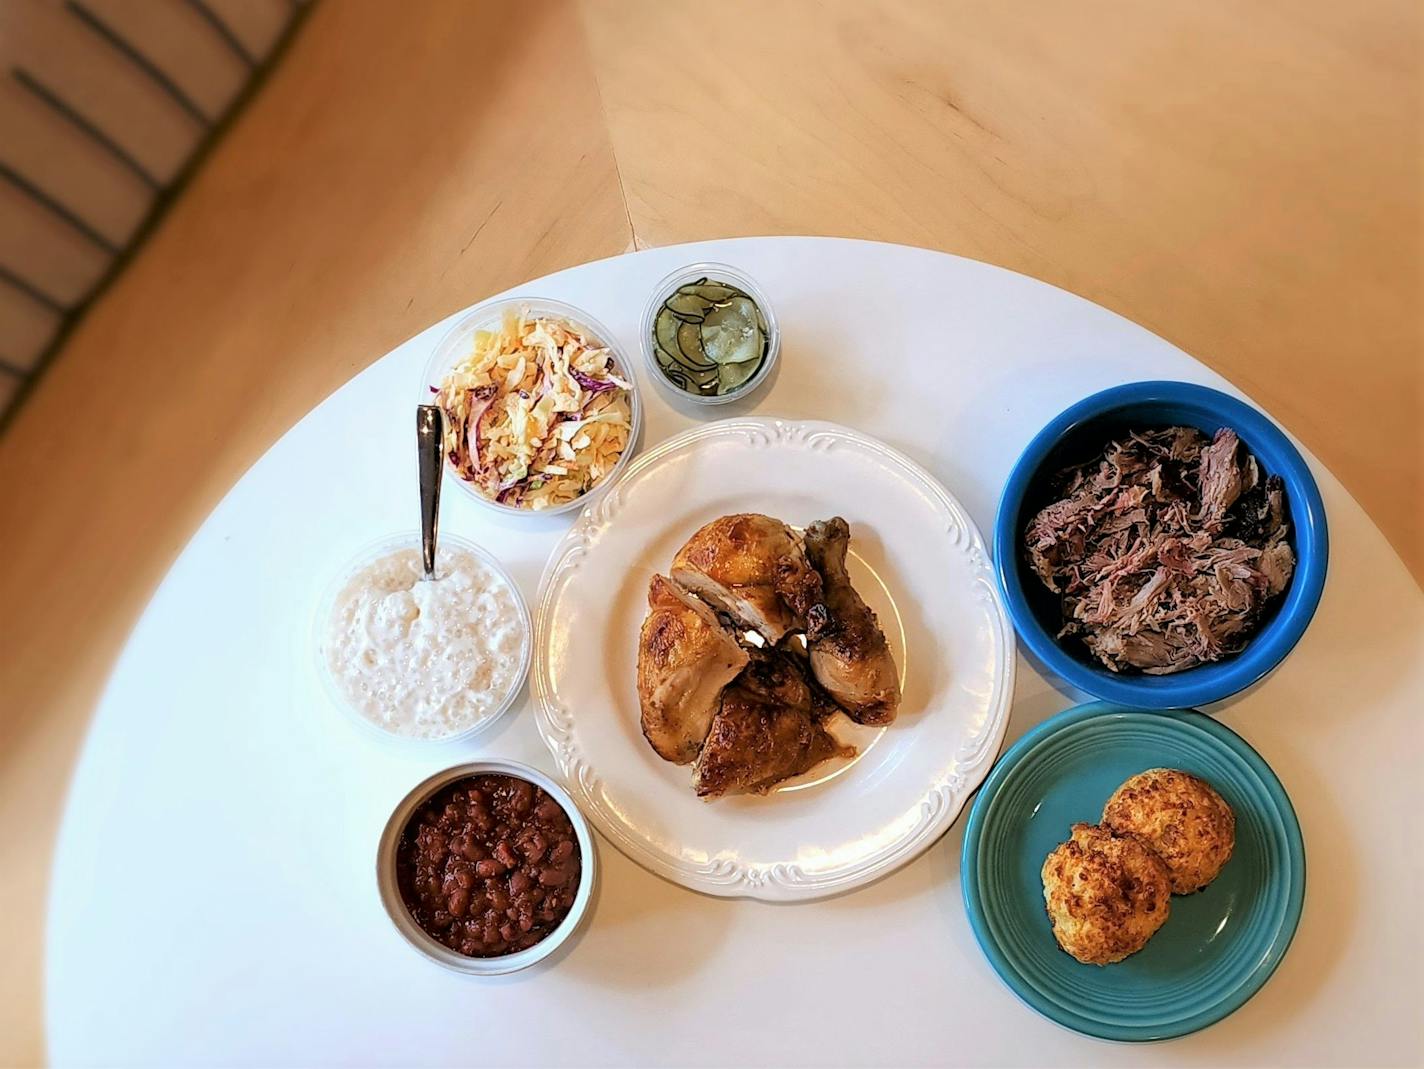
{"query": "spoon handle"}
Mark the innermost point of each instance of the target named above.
(428, 446)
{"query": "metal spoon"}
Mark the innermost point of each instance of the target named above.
(428, 444)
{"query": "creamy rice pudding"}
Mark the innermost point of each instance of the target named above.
(426, 659)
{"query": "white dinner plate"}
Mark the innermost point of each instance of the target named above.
(916, 558)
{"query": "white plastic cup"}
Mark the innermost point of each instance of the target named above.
(456, 345)
(321, 625)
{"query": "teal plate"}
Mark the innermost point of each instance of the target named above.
(1218, 947)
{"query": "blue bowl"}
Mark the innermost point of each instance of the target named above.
(1078, 434)
(1218, 947)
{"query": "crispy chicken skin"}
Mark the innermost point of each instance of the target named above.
(782, 676)
(685, 658)
(753, 568)
(849, 657)
(755, 743)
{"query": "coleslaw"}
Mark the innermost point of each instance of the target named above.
(537, 414)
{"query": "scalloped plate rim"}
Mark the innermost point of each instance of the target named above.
(943, 801)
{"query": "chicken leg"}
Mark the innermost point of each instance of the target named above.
(850, 657)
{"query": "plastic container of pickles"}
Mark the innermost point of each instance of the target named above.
(709, 333)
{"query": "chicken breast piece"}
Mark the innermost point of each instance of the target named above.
(755, 744)
(685, 658)
(849, 657)
(754, 569)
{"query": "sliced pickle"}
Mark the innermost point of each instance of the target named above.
(688, 306)
(709, 337)
(665, 331)
(711, 291)
(689, 341)
(730, 376)
(731, 333)
(676, 376)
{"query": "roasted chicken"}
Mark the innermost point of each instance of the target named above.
(757, 741)
(781, 676)
(685, 659)
(750, 712)
(754, 569)
(790, 677)
(849, 655)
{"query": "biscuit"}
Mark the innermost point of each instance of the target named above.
(1182, 818)
(1106, 895)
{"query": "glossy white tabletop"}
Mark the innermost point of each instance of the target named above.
(214, 898)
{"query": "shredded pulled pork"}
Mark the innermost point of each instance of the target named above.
(1165, 551)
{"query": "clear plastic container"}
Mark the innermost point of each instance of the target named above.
(456, 345)
(715, 272)
(439, 953)
(374, 551)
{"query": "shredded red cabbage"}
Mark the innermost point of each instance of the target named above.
(591, 384)
(508, 492)
(481, 397)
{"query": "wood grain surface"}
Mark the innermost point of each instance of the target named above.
(1245, 180)
(402, 162)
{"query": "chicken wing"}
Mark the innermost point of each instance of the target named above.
(753, 568)
(756, 743)
(849, 657)
(685, 658)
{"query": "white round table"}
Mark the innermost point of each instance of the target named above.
(214, 900)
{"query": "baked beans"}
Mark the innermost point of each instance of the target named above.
(488, 865)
